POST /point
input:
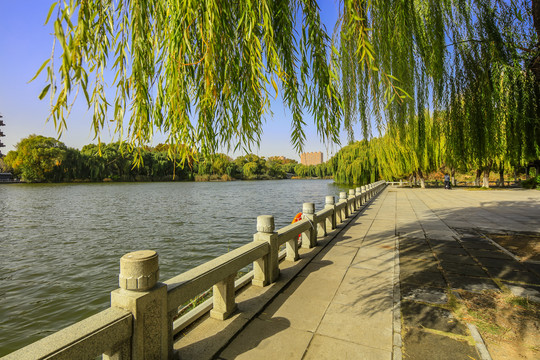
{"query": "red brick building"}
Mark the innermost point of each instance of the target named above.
(311, 158)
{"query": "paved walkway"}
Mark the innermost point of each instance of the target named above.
(392, 267)
(340, 305)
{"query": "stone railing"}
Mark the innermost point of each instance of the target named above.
(440, 183)
(141, 321)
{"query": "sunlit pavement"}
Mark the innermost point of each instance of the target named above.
(375, 292)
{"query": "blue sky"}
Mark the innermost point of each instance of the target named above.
(25, 43)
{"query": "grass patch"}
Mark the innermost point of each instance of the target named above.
(509, 324)
(521, 302)
(458, 337)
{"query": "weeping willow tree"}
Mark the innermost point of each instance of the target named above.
(473, 63)
(355, 164)
(401, 152)
(414, 150)
(493, 114)
(204, 72)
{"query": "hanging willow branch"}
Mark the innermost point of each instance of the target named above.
(203, 72)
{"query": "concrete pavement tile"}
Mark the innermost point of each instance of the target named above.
(415, 250)
(421, 263)
(385, 238)
(432, 317)
(337, 255)
(366, 294)
(264, 339)
(388, 243)
(534, 267)
(324, 285)
(413, 268)
(368, 278)
(450, 250)
(504, 264)
(358, 232)
(424, 278)
(463, 269)
(351, 242)
(420, 344)
(328, 348)
(381, 253)
(436, 244)
(470, 283)
(417, 255)
(299, 311)
(374, 264)
(415, 234)
(424, 294)
(371, 327)
(440, 235)
(527, 291)
(480, 245)
(454, 223)
(323, 269)
(405, 241)
(492, 254)
(518, 276)
(457, 259)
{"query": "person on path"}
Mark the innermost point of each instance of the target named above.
(446, 181)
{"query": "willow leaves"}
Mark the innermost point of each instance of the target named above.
(202, 72)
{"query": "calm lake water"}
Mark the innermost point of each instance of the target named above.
(60, 245)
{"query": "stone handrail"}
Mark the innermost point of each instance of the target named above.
(464, 183)
(186, 286)
(106, 332)
(141, 321)
(292, 231)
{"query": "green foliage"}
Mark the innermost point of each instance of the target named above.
(201, 71)
(37, 158)
(454, 83)
(531, 183)
(45, 159)
(4, 167)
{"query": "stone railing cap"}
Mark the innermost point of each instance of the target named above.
(265, 223)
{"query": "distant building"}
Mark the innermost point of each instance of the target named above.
(311, 158)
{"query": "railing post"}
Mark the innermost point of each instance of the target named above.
(358, 197)
(291, 247)
(330, 204)
(146, 298)
(351, 201)
(266, 269)
(321, 227)
(223, 298)
(345, 210)
(364, 194)
(309, 237)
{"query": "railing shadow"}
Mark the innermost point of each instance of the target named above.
(258, 328)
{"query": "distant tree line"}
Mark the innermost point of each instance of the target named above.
(45, 159)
